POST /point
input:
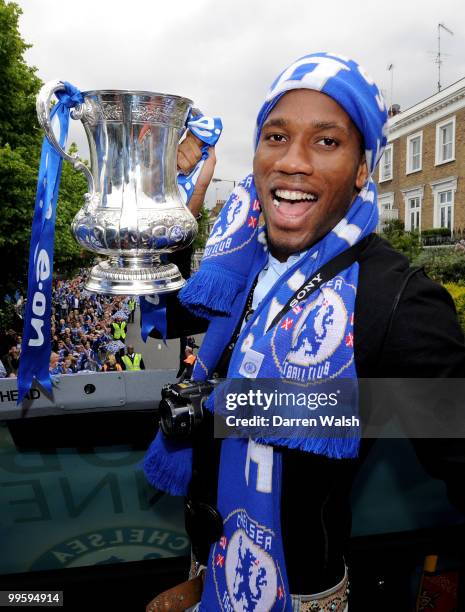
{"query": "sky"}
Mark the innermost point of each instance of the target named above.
(224, 54)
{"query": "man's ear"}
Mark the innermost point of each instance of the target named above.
(362, 173)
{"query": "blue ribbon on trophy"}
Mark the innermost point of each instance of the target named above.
(36, 347)
(208, 130)
(153, 316)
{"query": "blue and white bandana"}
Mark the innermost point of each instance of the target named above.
(315, 340)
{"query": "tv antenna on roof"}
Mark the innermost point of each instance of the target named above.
(438, 57)
(390, 69)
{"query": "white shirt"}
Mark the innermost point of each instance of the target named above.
(270, 274)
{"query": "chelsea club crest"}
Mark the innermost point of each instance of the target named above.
(321, 335)
(246, 576)
(240, 211)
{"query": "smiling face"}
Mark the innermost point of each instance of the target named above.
(308, 167)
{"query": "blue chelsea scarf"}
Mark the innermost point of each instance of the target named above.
(246, 567)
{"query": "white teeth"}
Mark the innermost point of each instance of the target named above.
(276, 203)
(295, 195)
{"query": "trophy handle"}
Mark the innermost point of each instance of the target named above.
(43, 114)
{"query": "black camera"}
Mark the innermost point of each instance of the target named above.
(181, 407)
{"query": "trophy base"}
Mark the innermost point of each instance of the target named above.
(120, 276)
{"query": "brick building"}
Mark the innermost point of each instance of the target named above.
(421, 176)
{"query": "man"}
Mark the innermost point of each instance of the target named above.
(55, 366)
(10, 362)
(284, 507)
(132, 361)
(189, 361)
(63, 305)
(132, 309)
(118, 329)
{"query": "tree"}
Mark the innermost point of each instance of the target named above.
(202, 236)
(20, 144)
(18, 83)
(68, 254)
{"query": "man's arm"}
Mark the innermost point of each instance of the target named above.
(180, 321)
(189, 153)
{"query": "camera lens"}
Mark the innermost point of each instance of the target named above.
(175, 421)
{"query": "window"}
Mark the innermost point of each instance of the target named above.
(385, 166)
(413, 199)
(386, 207)
(443, 198)
(445, 208)
(445, 141)
(414, 208)
(387, 212)
(414, 150)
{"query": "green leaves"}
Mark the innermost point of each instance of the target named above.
(18, 83)
(443, 264)
(202, 236)
(457, 292)
(18, 180)
(73, 186)
(407, 243)
(20, 146)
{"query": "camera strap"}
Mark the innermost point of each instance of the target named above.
(309, 286)
(321, 276)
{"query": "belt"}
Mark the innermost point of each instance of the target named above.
(332, 600)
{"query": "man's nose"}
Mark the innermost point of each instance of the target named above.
(296, 158)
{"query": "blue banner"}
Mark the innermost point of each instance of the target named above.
(153, 316)
(36, 345)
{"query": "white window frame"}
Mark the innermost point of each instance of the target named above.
(409, 157)
(439, 126)
(384, 199)
(382, 178)
(409, 194)
(437, 187)
(416, 211)
(446, 206)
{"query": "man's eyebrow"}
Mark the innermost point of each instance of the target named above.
(275, 123)
(319, 125)
(325, 125)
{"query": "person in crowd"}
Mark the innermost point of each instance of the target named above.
(55, 367)
(11, 362)
(63, 306)
(132, 361)
(111, 365)
(80, 328)
(118, 329)
(189, 361)
(132, 309)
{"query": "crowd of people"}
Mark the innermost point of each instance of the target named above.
(88, 332)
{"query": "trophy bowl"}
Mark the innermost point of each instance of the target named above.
(133, 211)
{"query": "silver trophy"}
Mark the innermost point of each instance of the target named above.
(133, 211)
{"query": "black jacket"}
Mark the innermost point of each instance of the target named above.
(422, 339)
